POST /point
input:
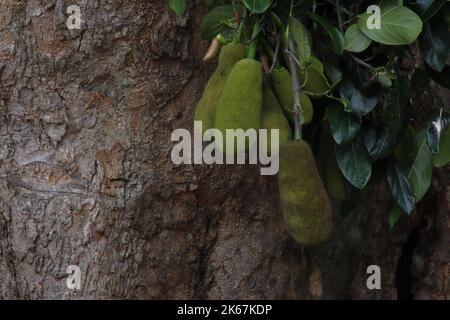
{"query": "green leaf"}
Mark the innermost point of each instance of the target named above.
(330, 64)
(354, 72)
(361, 104)
(300, 7)
(316, 64)
(343, 101)
(178, 6)
(419, 174)
(355, 40)
(443, 157)
(434, 44)
(336, 36)
(217, 21)
(401, 189)
(257, 6)
(354, 163)
(387, 4)
(301, 38)
(399, 25)
(428, 8)
(394, 118)
(344, 125)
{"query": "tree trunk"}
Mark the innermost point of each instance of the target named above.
(86, 179)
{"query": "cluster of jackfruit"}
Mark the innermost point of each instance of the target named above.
(207, 105)
(237, 97)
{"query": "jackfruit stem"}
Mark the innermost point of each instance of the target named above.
(273, 55)
(298, 111)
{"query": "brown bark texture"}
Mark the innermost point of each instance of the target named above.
(86, 178)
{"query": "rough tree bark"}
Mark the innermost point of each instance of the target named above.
(86, 178)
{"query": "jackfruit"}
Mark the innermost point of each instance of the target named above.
(206, 107)
(273, 118)
(240, 105)
(334, 179)
(306, 207)
(282, 85)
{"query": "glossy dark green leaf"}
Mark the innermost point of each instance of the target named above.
(217, 21)
(354, 163)
(336, 36)
(354, 72)
(394, 118)
(331, 63)
(298, 10)
(428, 8)
(394, 111)
(257, 6)
(178, 6)
(361, 104)
(399, 26)
(344, 125)
(419, 174)
(434, 44)
(400, 187)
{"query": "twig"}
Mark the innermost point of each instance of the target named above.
(338, 11)
(298, 112)
(361, 62)
(293, 57)
(275, 57)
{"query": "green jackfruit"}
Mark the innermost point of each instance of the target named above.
(240, 105)
(206, 107)
(273, 117)
(334, 179)
(282, 85)
(306, 207)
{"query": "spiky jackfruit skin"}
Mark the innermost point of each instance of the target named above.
(334, 179)
(306, 207)
(273, 118)
(282, 86)
(206, 107)
(240, 105)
